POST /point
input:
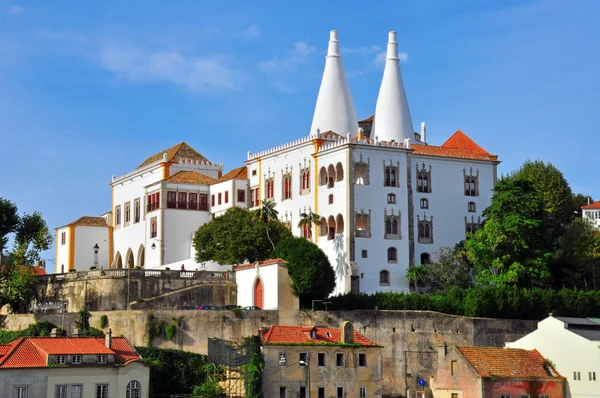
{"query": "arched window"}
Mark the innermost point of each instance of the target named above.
(339, 224)
(394, 227)
(425, 258)
(426, 231)
(388, 227)
(361, 174)
(323, 176)
(330, 176)
(330, 199)
(424, 203)
(384, 277)
(421, 231)
(393, 177)
(330, 228)
(471, 207)
(339, 172)
(134, 390)
(323, 227)
(387, 182)
(392, 255)
(391, 198)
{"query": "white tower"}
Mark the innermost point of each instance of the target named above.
(335, 109)
(392, 117)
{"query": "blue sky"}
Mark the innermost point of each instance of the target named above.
(89, 89)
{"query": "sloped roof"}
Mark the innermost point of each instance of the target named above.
(31, 352)
(508, 363)
(282, 335)
(175, 153)
(241, 173)
(260, 264)
(592, 206)
(459, 145)
(190, 177)
(87, 221)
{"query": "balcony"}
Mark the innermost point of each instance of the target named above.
(187, 206)
(152, 207)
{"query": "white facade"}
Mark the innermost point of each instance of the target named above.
(84, 243)
(573, 346)
(385, 203)
(591, 212)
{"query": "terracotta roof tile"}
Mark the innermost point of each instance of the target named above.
(177, 152)
(190, 177)
(459, 145)
(508, 363)
(241, 173)
(260, 264)
(592, 206)
(31, 352)
(460, 140)
(282, 335)
(87, 221)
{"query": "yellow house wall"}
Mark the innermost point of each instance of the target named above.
(293, 376)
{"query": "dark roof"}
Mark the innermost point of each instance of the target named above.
(590, 334)
(175, 153)
(577, 321)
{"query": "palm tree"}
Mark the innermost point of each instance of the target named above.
(266, 213)
(308, 220)
(416, 274)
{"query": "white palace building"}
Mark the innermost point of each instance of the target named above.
(387, 199)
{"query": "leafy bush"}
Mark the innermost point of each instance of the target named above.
(93, 332)
(167, 269)
(178, 371)
(41, 328)
(137, 267)
(93, 268)
(507, 302)
(103, 321)
(170, 331)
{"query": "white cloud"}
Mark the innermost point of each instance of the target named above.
(283, 72)
(193, 73)
(251, 32)
(16, 10)
(380, 58)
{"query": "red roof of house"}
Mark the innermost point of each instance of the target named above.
(592, 206)
(31, 352)
(282, 335)
(190, 177)
(260, 264)
(459, 145)
(508, 363)
(241, 173)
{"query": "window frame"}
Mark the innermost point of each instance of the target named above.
(364, 253)
(339, 359)
(101, 359)
(303, 357)
(60, 360)
(76, 359)
(383, 282)
(241, 196)
(153, 227)
(453, 368)
(282, 358)
(21, 391)
(80, 395)
(321, 359)
(103, 392)
(362, 358)
(133, 390)
(340, 392)
(362, 392)
(61, 390)
(392, 255)
(63, 238)
(424, 203)
(391, 198)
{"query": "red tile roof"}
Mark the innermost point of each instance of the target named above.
(459, 145)
(508, 363)
(260, 264)
(241, 173)
(190, 177)
(31, 352)
(282, 335)
(87, 221)
(175, 153)
(592, 206)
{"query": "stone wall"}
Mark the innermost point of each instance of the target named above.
(409, 338)
(114, 289)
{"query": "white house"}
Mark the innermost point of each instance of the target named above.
(86, 241)
(591, 212)
(573, 346)
(386, 197)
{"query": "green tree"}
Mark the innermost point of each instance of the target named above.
(16, 283)
(580, 200)
(416, 274)
(512, 247)
(235, 237)
(451, 269)
(266, 213)
(32, 236)
(553, 190)
(579, 247)
(309, 268)
(308, 220)
(9, 220)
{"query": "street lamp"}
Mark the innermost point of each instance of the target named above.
(96, 249)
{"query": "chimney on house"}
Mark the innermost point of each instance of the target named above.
(423, 132)
(347, 333)
(77, 333)
(55, 332)
(108, 339)
(361, 134)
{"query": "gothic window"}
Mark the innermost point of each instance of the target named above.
(471, 207)
(286, 186)
(363, 224)
(392, 226)
(471, 182)
(330, 176)
(331, 228)
(472, 226)
(424, 203)
(392, 255)
(425, 230)
(323, 176)
(423, 179)
(339, 172)
(390, 175)
(117, 216)
(269, 188)
(361, 172)
(304, 181)
(384, 277)
(127, 213)
(391, 198)
(323, 227)
(136, 210)
(339, 224)
(425, 258)
(254, 197)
